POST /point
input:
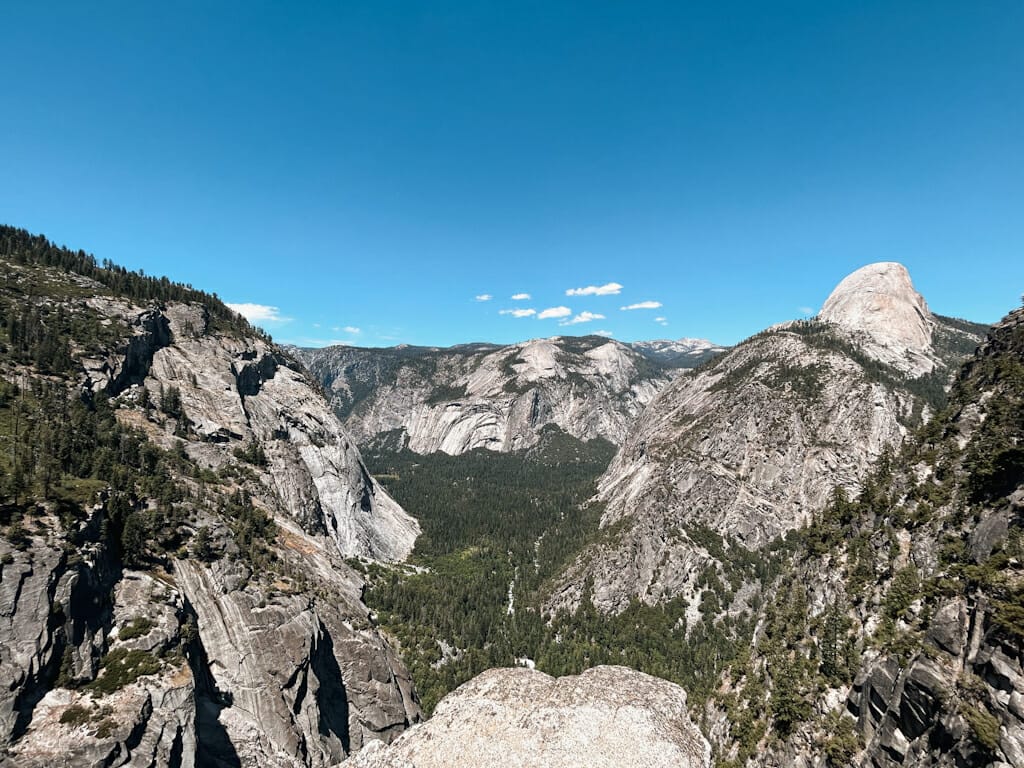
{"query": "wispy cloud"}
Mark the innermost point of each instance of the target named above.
(608, 289)
(661, 320)
(806, 311)
(520, 296)
(259, 313)
(483, 297)
(348, 329)
(517, 312)
(642, 305)
(583, 317)
(606, 334)
(554, 312)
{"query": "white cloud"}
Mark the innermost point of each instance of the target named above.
(606, 334)
(259, 313)
(582, 317)
(316, 342)
(661, 320)
(806, 311)
(517, 312)
(554, 312)
(608, 289)
(520, 296)
(642, 305)
(484, 297)
(352, 329)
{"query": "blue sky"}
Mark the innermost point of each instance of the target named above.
(370, 169)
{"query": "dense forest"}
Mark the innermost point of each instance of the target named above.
(497, 527)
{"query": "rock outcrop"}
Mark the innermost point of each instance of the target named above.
(482, 396)
(751, 445)
(607, 716)
(242, 390)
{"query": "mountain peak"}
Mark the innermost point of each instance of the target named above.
(880, 302)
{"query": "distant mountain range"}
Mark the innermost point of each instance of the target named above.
(498, 397)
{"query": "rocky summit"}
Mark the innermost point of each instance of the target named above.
(752, 444)
(606, 717)
(878, 304)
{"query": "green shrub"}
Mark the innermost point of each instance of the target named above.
(123, 667)
(140, 627)
(75, 715)
(843, 742)
(984, 726)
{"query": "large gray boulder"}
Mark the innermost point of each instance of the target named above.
(521, 718)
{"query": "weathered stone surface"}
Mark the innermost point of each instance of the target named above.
(291, 683)
(607, 716)
(146, 723)
(243, 389)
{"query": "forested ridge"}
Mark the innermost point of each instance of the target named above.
(21, 248)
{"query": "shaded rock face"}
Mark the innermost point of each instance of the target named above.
(480, 396)
(245, 674)
(607, 716)
(751, 446)
(59, 621)
(288, 682)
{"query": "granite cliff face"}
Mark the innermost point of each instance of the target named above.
(500, 398)
(896, 636)
(607, 716)
(751, 445)
(189, 602)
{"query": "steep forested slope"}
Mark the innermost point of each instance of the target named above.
(895, 634)
(176, 499)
